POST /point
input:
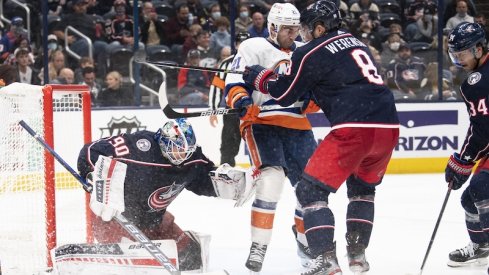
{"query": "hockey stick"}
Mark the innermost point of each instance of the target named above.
(140, 57)
(170, 113)
(436, 227)
(127, 225)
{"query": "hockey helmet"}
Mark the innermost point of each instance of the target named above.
(463, 37)
(282, 14)
(177, 140)
(325, 11)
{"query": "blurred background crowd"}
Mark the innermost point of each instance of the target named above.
(93, 42)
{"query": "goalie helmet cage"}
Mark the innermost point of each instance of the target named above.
(33, 188)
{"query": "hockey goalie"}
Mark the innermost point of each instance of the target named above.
(138, 175)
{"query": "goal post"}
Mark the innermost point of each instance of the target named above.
(41, 204)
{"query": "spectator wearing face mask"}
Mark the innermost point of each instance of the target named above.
(243, 22)
(461, 16)
(221, 38)
(425, 28)
(214, 12)
(390, 49)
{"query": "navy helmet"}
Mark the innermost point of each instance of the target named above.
(325, 11)
(177, 140)
(465, 36)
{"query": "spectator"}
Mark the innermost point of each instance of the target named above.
(425, 27)
(84, 62)
(225, 53)
(56, 63)
(177, 28)
(7, 42)
(214, 12)
(404, 74)
(414, 11)
(55, 8)
(390, 49)
(243, 22)
(460, 17)
(451, 9)
(53, 43)
(395, 28)
(367, 29)
(120, 29)
(25, 73)
(191, 41)
(364, 6)
(193, 85)
(429, 84)
(208, 55)
(152, 30)
(66, 76)
(197, 10)
(481, 20)
(90, 80)
(258, 28)
(221, 38)
(114, 94)
(8, 74)
(86, 24)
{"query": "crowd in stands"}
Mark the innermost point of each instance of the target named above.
(402, 35)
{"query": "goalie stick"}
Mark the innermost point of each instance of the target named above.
(127, 225)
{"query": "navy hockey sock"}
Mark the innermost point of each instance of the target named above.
(319, 226)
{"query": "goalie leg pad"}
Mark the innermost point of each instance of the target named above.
(107, 198)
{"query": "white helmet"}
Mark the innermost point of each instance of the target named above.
(283, 14)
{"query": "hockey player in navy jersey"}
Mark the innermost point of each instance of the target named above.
(340, 72)
(280, 141)
(143, 173)
(467, 49)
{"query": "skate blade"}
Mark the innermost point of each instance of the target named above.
(254, 273)
(474, 262)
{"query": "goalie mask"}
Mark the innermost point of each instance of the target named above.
(282, 14)
(177, 140)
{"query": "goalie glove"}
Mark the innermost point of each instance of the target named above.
(107, 198)
(233, 183)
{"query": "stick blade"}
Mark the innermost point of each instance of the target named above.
(172, 114)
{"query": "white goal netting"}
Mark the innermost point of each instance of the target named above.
(41, 204)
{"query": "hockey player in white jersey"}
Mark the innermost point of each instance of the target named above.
(280, 142)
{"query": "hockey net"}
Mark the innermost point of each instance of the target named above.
(41, 204)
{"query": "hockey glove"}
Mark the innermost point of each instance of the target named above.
(457, 171)
(249, 111)
(233, 183)
(257, 76)
(107, 198)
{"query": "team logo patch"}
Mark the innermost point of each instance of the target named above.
(143, 145)
(474, 78)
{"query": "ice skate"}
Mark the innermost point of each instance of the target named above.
(356, 254)
(325, 264)
(256, 257)
(472, 254)
(303, 251)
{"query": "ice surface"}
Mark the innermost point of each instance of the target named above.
(407, 207)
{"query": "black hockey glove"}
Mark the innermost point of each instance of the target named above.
(257, 77)
(457, 171)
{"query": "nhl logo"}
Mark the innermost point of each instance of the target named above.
(143, 145)
(474, 78)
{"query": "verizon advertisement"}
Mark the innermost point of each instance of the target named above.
(430, 131)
